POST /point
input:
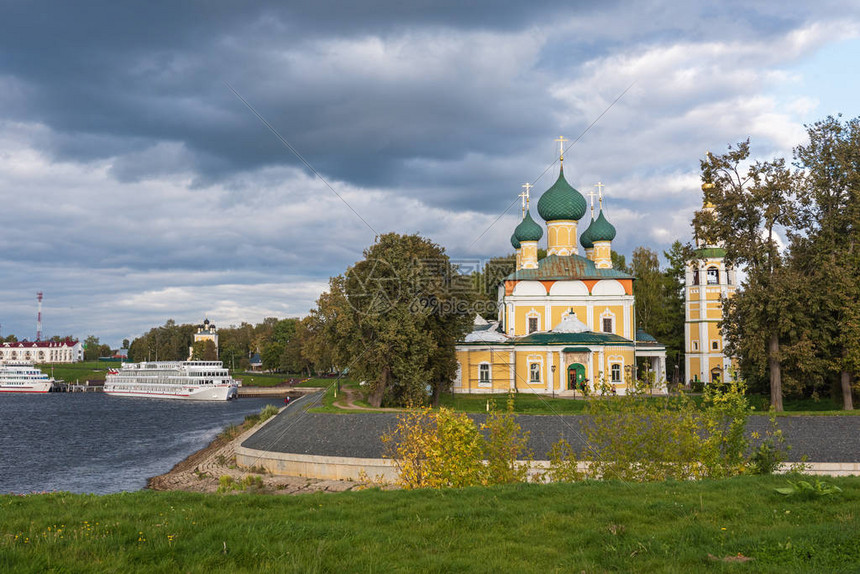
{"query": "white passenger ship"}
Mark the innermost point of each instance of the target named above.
(193, 380)
(23, 377)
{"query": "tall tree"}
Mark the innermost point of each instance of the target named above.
(751, 204)
(828, 248)
(394, 317)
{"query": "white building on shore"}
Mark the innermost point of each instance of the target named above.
(66, 351)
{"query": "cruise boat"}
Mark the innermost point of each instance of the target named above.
(192, 380)
(23, 377)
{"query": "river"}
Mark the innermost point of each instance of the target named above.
(94, 443)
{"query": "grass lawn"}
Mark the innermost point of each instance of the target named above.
(87, 370)
(591, 527)
(523, 404)
(255, 379)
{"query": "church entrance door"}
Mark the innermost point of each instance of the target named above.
(575, 376)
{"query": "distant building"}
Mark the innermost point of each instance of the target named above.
(66, 351)
(256, 362)
(205, 332)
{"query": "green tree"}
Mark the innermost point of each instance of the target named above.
(91, 348)
(826, 251)
(394, 317)
(751, 203)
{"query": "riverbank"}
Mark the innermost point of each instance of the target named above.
(204, 470)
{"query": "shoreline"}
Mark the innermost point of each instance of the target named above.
(202, 471)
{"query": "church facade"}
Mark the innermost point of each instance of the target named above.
(566, 323)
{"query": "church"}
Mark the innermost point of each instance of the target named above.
(566, 323)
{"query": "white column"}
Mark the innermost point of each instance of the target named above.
(549, 374)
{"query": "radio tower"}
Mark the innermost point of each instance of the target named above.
(39, 317)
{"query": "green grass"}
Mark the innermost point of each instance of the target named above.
(591, 527)
(523, 404)
(87, 370)
(805, 406)
(255, 379)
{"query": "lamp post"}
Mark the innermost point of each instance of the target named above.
(553, 381)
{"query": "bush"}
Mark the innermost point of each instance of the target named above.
(638, 438)
(442, 449)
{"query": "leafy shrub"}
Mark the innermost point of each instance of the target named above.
(563, 466)
(806, 490)
(435, 449)
(504, 445)
(640, 439)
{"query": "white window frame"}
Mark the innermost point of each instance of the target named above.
(607, 314)
(612, 370)
(489, 381)
(533, 314)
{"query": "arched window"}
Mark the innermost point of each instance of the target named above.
(696, 276)
(534, 373)
(713, 276)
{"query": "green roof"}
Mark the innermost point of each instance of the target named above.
(710, 252)
(585, 238)
(561, 267)
(528, 230)
(601, 230)
(514, 241)
(576, 350)
(586, 338)
(561, 201)
(643, 337)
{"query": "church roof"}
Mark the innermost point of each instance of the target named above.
(561, 201)
(710, 252)
(561, 267)
(585, 338)
(601, 230)
(528, 230)
(514, 241)
(585, 238)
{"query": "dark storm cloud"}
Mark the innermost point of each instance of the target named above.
(135, 80)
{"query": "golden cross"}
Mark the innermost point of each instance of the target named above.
(591, 195)
(525, 197)
(561, 140)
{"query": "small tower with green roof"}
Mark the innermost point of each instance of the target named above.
(561, 206)
(600, 234)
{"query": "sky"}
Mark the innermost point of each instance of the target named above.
(136, 186)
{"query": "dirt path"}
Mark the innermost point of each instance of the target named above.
(202, 472)
(348, 398)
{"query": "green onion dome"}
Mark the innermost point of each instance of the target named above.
(528, 230)
(561, 201)
(585, 238)
(601, 230)
(514, 241)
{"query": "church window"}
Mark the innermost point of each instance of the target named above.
(484, 374)
(615, 370)
(534, 372)
(695, 345)
(713, 276)
(607, 324)
(696, 276)
(715, 345)
(533, 324)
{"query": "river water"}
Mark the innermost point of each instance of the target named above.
(94, 443)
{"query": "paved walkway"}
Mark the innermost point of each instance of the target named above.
(820, 438)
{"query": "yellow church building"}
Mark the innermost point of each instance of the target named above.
(566, 323)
